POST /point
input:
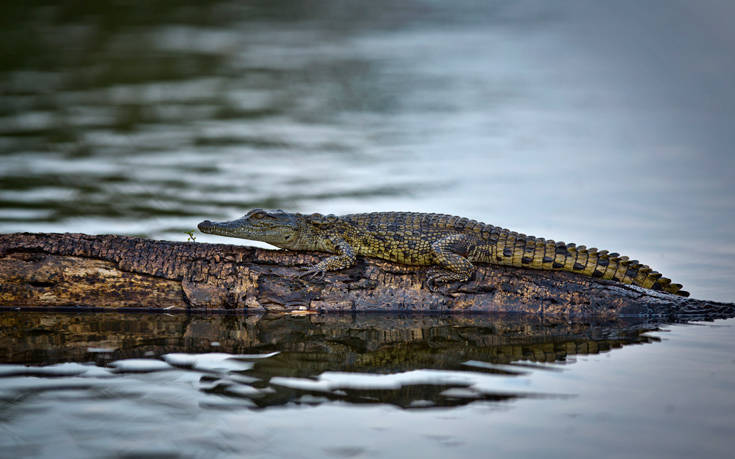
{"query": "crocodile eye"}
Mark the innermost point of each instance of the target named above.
(258, 215)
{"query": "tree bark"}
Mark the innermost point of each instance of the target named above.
(111, 272)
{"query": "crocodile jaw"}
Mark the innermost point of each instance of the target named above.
(235, 228)
(280, 235)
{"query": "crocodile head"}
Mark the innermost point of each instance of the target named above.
(275, 227)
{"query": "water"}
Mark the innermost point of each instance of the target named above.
(369, 385)
(583, 122)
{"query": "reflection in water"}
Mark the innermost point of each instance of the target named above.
(416, 361)
(159, 385)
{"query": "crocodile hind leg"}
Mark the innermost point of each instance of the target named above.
(453, 266)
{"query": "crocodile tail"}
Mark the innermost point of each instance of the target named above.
(612, 266)
(514, 249)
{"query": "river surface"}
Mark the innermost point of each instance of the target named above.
(363, 385)
(604, 124)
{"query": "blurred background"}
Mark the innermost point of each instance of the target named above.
(605, 124)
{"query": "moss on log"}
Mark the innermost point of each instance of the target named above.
(112, 272)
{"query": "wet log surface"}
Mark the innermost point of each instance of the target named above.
(112, 272)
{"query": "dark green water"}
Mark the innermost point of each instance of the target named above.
(608, 125)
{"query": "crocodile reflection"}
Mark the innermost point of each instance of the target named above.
(407, 361)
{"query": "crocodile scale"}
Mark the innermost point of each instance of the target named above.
(449, 243)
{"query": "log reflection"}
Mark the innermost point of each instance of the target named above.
(379, 346)
(361, 342)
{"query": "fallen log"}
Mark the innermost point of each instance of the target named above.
(112, 272)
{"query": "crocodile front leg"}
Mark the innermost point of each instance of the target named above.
(344, 259)
(454, 267)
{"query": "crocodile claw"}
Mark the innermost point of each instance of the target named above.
(433, 280)
(312, 273)
(432, 286)
(436, 277)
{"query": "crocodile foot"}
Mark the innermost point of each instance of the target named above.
(313, 273)
(437, 276)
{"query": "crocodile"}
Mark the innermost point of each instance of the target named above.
(447, 243)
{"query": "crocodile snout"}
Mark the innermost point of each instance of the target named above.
(205, 225)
